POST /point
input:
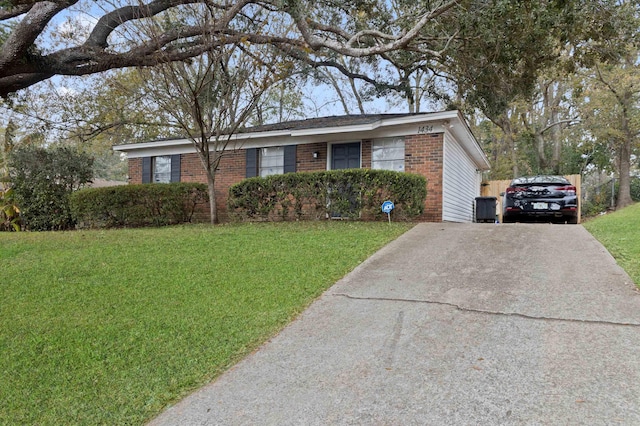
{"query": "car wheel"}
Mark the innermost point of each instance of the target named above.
(572, 220)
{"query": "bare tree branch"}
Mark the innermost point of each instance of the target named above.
(12, 12)
(305, 27)
(23, 62)
(25, 33)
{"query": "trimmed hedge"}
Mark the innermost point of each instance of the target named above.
(155, 204)
(351, 193)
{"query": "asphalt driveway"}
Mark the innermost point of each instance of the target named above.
(451, 324)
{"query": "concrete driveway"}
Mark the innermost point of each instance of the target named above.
(451, 324)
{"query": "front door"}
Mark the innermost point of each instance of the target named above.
(343, 198)
(345, 156)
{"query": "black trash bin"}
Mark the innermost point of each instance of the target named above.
(486, 209)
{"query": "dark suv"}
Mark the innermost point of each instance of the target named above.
(549, 198)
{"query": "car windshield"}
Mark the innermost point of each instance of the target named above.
(526, 180)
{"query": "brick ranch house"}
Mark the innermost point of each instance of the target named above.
(438, 145)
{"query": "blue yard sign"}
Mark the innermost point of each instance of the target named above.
(387, 206)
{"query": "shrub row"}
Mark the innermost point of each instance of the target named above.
(137, 205)
(352, 193)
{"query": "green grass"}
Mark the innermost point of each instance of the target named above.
(108, 327)
(619, 232)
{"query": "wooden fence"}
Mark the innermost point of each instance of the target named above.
(494, 188)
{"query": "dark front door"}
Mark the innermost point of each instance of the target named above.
(345, 156)
(342, 197)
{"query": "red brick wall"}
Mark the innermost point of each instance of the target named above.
(232, 169)
(366, 154)
(304, 157)
(135, 170)
(424, 156)
(191, 169)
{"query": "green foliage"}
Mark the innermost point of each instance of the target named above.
(635, 189)
(500, 48)
(138, 205)
(619, 232)
(42, 181)
(599, 198)
(110, 327)
(352, 193)
(10, 219)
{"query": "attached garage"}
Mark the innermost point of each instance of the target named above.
(460, 183)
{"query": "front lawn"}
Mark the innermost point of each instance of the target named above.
(108, 327)
(619, 232)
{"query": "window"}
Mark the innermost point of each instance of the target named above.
(388, 154)
(162, 169)
(271, 161)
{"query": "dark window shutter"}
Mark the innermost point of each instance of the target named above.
(252, 162)
(175, 168)
(290, 158)
(146, 169)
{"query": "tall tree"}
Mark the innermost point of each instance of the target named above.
(609, 90)
(610, 106)
(209, 98)
(517, 73)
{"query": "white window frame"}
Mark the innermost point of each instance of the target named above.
(271, 161)
(388, 154)
(161, 171)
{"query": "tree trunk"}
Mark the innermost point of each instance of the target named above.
(505, 125)
(542, 156)
(514, 155)
(624, 155)
(624, 166)
(212, 196)
(556, 138)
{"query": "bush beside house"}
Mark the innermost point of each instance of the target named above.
(41, 181)
(138, 205)
(351, 193)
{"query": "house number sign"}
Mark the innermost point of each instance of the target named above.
(425, 129)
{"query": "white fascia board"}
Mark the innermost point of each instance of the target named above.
(419, 118)
(153, 144)
(185, 146)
